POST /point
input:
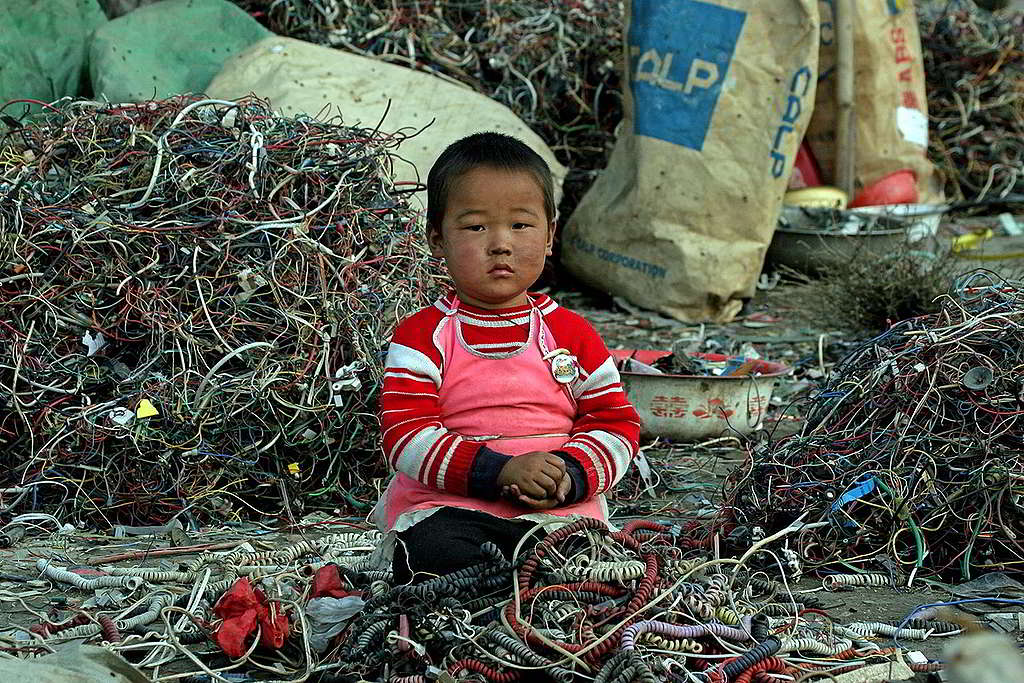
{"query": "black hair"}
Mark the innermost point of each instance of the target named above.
(496, 150)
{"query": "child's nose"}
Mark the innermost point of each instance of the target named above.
(500, 242)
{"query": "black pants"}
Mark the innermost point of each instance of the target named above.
(450, 539)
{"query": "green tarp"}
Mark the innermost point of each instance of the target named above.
(168, 48)
(43, 45)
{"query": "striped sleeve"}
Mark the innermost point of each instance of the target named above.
(413, 438)
(606, 433)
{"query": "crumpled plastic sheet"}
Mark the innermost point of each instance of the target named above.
(72, 663)
(329, 608)
(991, 585)
(327, 618)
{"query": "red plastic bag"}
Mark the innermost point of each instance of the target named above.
(244, 609)
(327, 583)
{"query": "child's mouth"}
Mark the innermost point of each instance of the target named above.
(501, 270)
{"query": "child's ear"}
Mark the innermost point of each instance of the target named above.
(551, 238)
(435, 242)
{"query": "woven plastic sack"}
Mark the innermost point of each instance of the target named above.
(891, 98)
(302, 78)
(168, 48)
(719, 94)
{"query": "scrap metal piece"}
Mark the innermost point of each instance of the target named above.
(978, 378)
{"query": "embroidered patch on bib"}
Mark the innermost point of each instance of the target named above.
(564, 369)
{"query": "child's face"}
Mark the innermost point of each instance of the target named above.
(494, 236)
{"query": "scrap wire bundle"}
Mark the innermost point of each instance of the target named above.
(195, 297)
(913, 449)
(554, 64)
(974, 64)
(676, 480)
(582, 604)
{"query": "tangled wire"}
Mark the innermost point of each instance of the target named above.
(556, 65)
(974, 66)
(196, 297)
(582, 603)
(912, 450)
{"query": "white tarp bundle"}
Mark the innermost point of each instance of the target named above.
(299, 77)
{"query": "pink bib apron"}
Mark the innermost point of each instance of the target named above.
(511, 402)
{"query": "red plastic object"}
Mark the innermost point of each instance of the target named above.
(806, 172)
(327, 583)
(899, 187)
(244, 611)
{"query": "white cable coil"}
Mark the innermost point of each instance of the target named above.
(152, 613)
(715, 593)
(270, 569)
(156, 605)
(284, 555)
(334, 544)
(871, 628)
(716, 597)
(719, 581)
(860, 643)
(673, 568)
(699, 608)
(812, 646)
(585, 569)
(835, 581)
(341, 546)
(83, 631)
(228, 562)
(86, 583)
(344, 554)
(154, 575)
(357, 563)
(351, 539)
(218, 587)
(561, 610)
(675, 644)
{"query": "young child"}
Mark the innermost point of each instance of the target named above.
(498, 405)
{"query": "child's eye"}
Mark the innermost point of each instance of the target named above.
(521, 226)
(474, 228)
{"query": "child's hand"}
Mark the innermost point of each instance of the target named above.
(537, 475)
(512, 493)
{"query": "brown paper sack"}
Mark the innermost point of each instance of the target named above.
(719, 97)
(892, 106)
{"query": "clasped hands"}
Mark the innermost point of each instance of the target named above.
(536, 480)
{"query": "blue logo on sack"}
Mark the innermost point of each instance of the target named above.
(680, 52)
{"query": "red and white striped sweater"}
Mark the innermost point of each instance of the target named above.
(605, 433)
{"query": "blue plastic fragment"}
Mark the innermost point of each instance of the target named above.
(861, 489)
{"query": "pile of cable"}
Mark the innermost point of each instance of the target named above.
(583, 602)
(974, 70)
(196, 296)
(556, 65)
(644, 603)
(912, 454)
